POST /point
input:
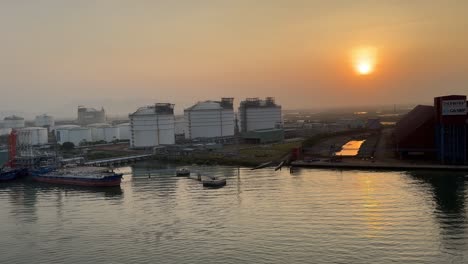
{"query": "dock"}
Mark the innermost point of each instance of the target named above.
(378, 166)
(117, 160)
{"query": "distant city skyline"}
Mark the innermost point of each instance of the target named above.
(56, 55)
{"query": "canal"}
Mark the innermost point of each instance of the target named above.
(310, 216)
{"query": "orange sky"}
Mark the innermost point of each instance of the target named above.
(123, 54)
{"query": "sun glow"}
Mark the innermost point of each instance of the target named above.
(364, 60)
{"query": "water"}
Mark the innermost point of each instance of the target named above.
(311, 216)
(351, 148)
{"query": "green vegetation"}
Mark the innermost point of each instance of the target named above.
(248, 155)
(68, 146)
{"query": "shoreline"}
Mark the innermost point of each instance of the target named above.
(378, 166)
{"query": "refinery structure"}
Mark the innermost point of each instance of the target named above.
(210, 119)
(87, 116)
(152, 126)
(45, 120)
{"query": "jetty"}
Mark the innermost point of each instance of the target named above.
(117, 160)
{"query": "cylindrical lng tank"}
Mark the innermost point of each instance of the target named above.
(5, 131)
(13, 122)
(255, 114)
(76, 135)
(111, 133)
(124, 131)
(209, 119)
(152, 126)
(33, 136)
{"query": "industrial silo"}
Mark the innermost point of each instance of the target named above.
(104, 132)
(13, 122)
(210, 119)
(152, 126)
(74, 134)
(5, 131)
(31, 136)
(255, 114)
(124, 131)
(45, 121)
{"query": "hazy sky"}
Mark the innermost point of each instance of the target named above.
(56, 55)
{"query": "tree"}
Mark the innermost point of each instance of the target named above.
(68, 146)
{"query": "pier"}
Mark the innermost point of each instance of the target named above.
(118, 160)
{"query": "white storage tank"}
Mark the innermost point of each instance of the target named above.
(5, 131)
(104, 132)
(13, 122)
(124, 131)
(32, 136)
(255, 114)
(152, 126)
(45, 121)
(74, 134)
(210, 119)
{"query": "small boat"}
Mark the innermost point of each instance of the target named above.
(8, 174)
(81, 176)
(213, 182)
(183, 172)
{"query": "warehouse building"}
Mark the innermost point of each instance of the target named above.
(210, 119)
(263, 136)
(152, 126)
(438, 132)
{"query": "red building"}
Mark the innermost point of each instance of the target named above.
(439, 131)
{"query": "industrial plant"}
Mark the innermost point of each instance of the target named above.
(87, 116)
(210, 119)
(46, 121)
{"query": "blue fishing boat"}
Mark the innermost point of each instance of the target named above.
(8, 174)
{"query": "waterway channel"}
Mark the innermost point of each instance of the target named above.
(309, 216)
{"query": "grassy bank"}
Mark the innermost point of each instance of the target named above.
(245, 155)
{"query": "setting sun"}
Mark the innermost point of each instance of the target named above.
(364, 67)
(364, 60)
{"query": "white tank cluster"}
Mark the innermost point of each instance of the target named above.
(45, 121)
(152, 126)
(255, 114)
(72, 133)
(124, 131)
(210, 119)
(104, 132)
(13, 122)
(5, 131)
(32, 136)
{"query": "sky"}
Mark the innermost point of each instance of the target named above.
(58, 54)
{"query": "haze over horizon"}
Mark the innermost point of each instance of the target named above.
(56, 55)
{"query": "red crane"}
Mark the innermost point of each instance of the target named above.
(12, 149)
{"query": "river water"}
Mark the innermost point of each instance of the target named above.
(309, 216)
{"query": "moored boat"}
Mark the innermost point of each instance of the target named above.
(183, 172)
(214, 182)
(81, 176)
(8, 174)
